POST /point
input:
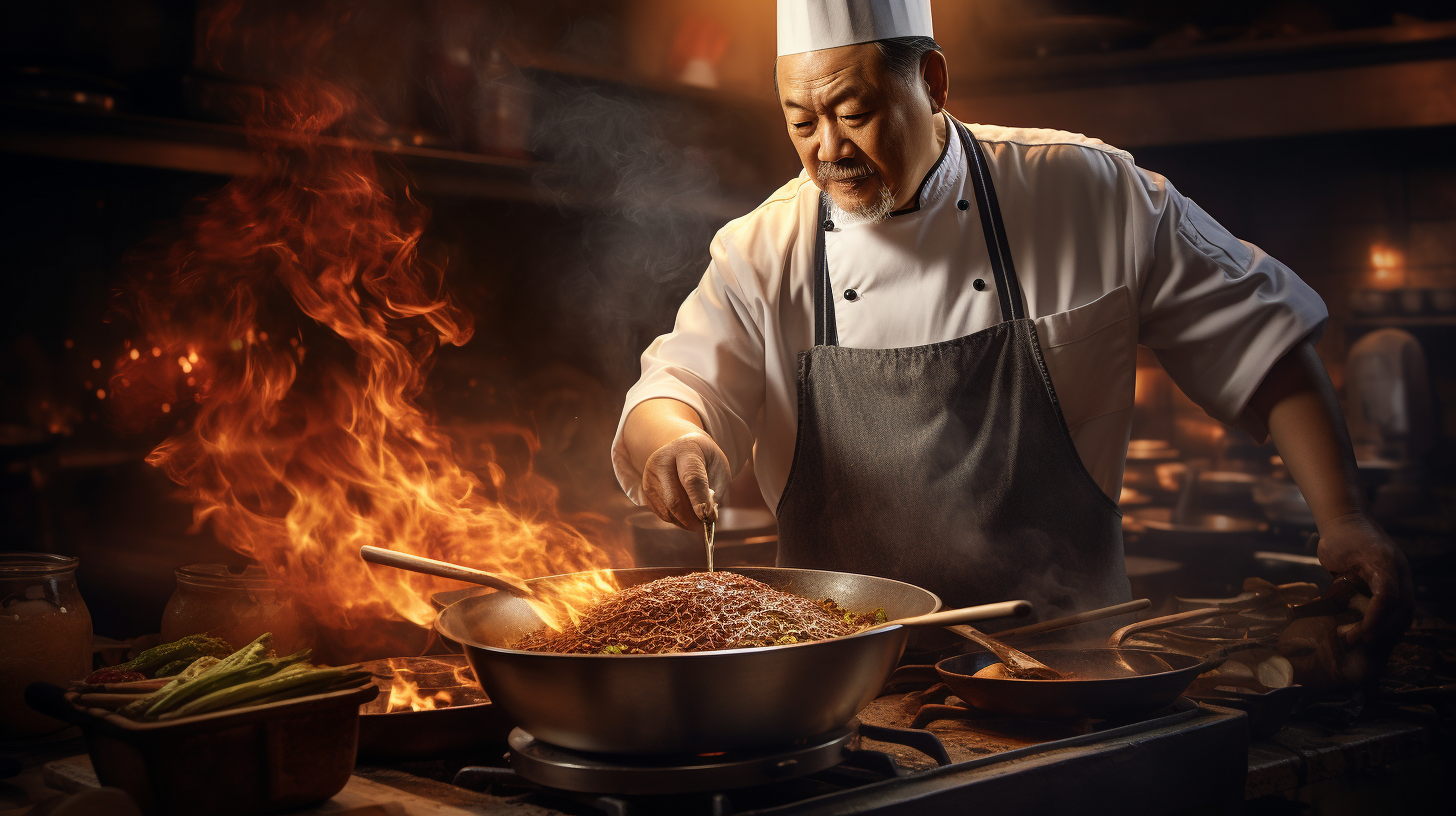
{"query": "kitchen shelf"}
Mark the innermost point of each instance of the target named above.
(1403, 321)
(220, 149)
(223, 150)
(1394, 77)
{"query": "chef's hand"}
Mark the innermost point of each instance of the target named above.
(685, 479)
(1354, 546)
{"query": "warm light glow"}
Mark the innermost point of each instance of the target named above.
(298, 461)
(1387, 267)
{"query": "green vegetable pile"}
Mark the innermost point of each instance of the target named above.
(249, 676)
(167, 660)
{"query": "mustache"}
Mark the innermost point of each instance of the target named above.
(843, 171)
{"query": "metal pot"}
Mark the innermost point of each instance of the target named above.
(689, 703)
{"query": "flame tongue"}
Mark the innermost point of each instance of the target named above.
(294, 310)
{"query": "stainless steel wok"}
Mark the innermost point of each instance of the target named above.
(687, 703)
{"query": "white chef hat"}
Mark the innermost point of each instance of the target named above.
(813, 25)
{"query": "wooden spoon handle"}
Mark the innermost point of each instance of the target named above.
(443, 569)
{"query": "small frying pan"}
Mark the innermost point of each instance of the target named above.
(1107, 683)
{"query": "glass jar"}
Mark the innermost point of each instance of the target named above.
(45, 636)
(236, 607)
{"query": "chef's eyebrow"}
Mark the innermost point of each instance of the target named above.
(838, 98)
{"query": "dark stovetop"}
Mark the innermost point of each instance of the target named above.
(1182, 757)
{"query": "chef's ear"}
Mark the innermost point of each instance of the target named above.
(936, 76)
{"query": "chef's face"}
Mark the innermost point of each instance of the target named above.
(861, 132)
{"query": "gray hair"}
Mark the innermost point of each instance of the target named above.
(902, 56)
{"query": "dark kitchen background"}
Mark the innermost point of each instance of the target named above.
(573, 158)
(576, 157)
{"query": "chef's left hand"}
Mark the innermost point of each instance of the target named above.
(1355, 546)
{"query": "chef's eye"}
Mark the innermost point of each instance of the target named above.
(854, 118)
(800, 125)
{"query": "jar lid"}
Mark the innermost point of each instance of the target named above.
(29, 563)
(223, 576)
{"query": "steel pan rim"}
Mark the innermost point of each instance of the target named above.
(1008, 682)
(457, 609)
(400, 716)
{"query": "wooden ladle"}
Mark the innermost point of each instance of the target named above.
(1021, 665)
(444, 569)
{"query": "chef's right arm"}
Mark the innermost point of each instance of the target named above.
(1235, 329)
(686, 427)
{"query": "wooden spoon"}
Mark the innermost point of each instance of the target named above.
(1021, 665)
(444, 569)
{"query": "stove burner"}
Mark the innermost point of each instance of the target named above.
(560, 768)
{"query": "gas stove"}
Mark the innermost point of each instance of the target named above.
(916, 751)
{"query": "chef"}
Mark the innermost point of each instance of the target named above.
(927, 340)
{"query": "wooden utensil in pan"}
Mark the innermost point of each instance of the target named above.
(1025, 667)
(444, 569)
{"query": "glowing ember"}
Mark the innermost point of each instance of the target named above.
(291, 322)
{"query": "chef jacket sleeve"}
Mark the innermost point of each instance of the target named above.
(1217, 311)
(712, 360)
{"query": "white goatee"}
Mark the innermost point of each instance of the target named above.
(877, 209)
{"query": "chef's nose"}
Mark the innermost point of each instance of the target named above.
(833, 146)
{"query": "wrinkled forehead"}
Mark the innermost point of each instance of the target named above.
(819, 79)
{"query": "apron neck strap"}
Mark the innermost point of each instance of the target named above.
(1008, 288)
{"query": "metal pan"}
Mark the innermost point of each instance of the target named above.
(1109, 683)
(695, 702)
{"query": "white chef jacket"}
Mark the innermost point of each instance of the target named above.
(1108, 256)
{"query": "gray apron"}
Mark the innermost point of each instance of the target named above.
(948, 466)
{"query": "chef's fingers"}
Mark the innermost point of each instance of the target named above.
(658, 488)
(671, 503)
(1389, 612)
(692, 471)
(684, 480)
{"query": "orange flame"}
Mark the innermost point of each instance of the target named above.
(424, 684)
(295, 319)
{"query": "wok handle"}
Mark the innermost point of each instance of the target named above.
(443, 569)
(952, 617)
(1122, 634)
(1072, 620)
(1213, 661)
